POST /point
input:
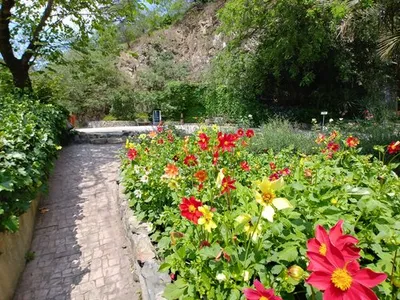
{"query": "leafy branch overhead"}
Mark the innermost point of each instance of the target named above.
(42, 29)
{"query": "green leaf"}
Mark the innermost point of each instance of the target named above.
(164, 267)
(11, 224)
(289, 254)
(175, 290)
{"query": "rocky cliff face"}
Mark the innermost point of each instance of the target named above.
(194, 41)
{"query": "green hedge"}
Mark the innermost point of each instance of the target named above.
(29, 137)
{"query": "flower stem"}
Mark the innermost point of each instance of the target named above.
(392, 275)
(252, 234)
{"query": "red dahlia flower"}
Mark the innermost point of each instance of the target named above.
(160, 141)
(132, 153)
(352, 142)
(260, 293)
(190, 160)
(394, 147)
(170, 138)
(240, 132)
(341, 279)
(226, 141)
(250, 133)
(334, 147)
(272, 166)
(215, 158)
(274, 176)
(285, 172)
(245, 166)
(190, 209)
(344, 242)
(203, 141)
(227, 184)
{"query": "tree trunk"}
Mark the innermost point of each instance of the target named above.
(20, 73)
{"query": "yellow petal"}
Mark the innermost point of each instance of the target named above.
(243, 218)
(201, 221)
(268, 213)
(281, 203)
(259, 198)
(265, 185)
(276, 185)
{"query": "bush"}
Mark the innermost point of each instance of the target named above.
(224, 217)
(278, 134)
(29, 138)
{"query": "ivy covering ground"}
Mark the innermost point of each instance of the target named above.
(224, 217)
(29, 137)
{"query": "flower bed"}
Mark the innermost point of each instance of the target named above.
(231, 224)
(29, 136)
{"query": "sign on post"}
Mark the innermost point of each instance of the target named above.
(156, 116)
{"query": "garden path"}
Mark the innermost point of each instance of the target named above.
(79, 244)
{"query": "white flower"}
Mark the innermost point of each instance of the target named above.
(144, 179)
(340, 119)
(330, 120)
(138, 193)
(221, 277)
(250, 116)
(314, 121)
(136, 168)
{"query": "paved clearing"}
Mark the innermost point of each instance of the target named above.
(79, 242)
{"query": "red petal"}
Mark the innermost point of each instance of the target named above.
(353, 267)
(251, 294)
(336, 231)
(320, 263)
(321, 280)
(369, 278)
(345, 239)
(321, 234)
(313, 245)
(333, 293)
(260, 288)
(357, 291)
(334, 256)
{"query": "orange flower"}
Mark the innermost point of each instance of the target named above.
(153, 134)
(352, 142)
(171, 171)
(201, 175)
(320, 138)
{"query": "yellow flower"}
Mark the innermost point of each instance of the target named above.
(215, 128)
(220, 177)
(249, 227)
(58, 147)
(268, 199)
(129, 145)
(173, 184)
(206, 219)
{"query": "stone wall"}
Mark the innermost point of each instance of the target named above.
(13, 248)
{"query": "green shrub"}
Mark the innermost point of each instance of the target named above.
(109, 118)
(278, 134)
(29, 138)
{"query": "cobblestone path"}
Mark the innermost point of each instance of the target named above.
(79, 242)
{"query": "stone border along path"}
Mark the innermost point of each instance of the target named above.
(79, 242)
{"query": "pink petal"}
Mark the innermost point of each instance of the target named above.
(369, 278)
(259, 287)
(320, 263)
(321, 234)
(321, 280)
(353, 267)
(332, 293)
(357, 291)
(336, 231)
(251, 294)
(334, 256)
(313, 245)
(344, 240)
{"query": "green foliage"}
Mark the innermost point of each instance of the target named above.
(29, 140)
(219, 261)
(288, 53)
(278, 134)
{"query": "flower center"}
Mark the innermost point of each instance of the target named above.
(268, 197)
(322, 249)
(192, 208)
(263, 298)
(341, 279)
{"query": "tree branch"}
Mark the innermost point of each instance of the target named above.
(6, 49)
(32, 47)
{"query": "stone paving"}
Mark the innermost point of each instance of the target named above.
(80, 246)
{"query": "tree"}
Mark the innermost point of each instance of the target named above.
(43, 28)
